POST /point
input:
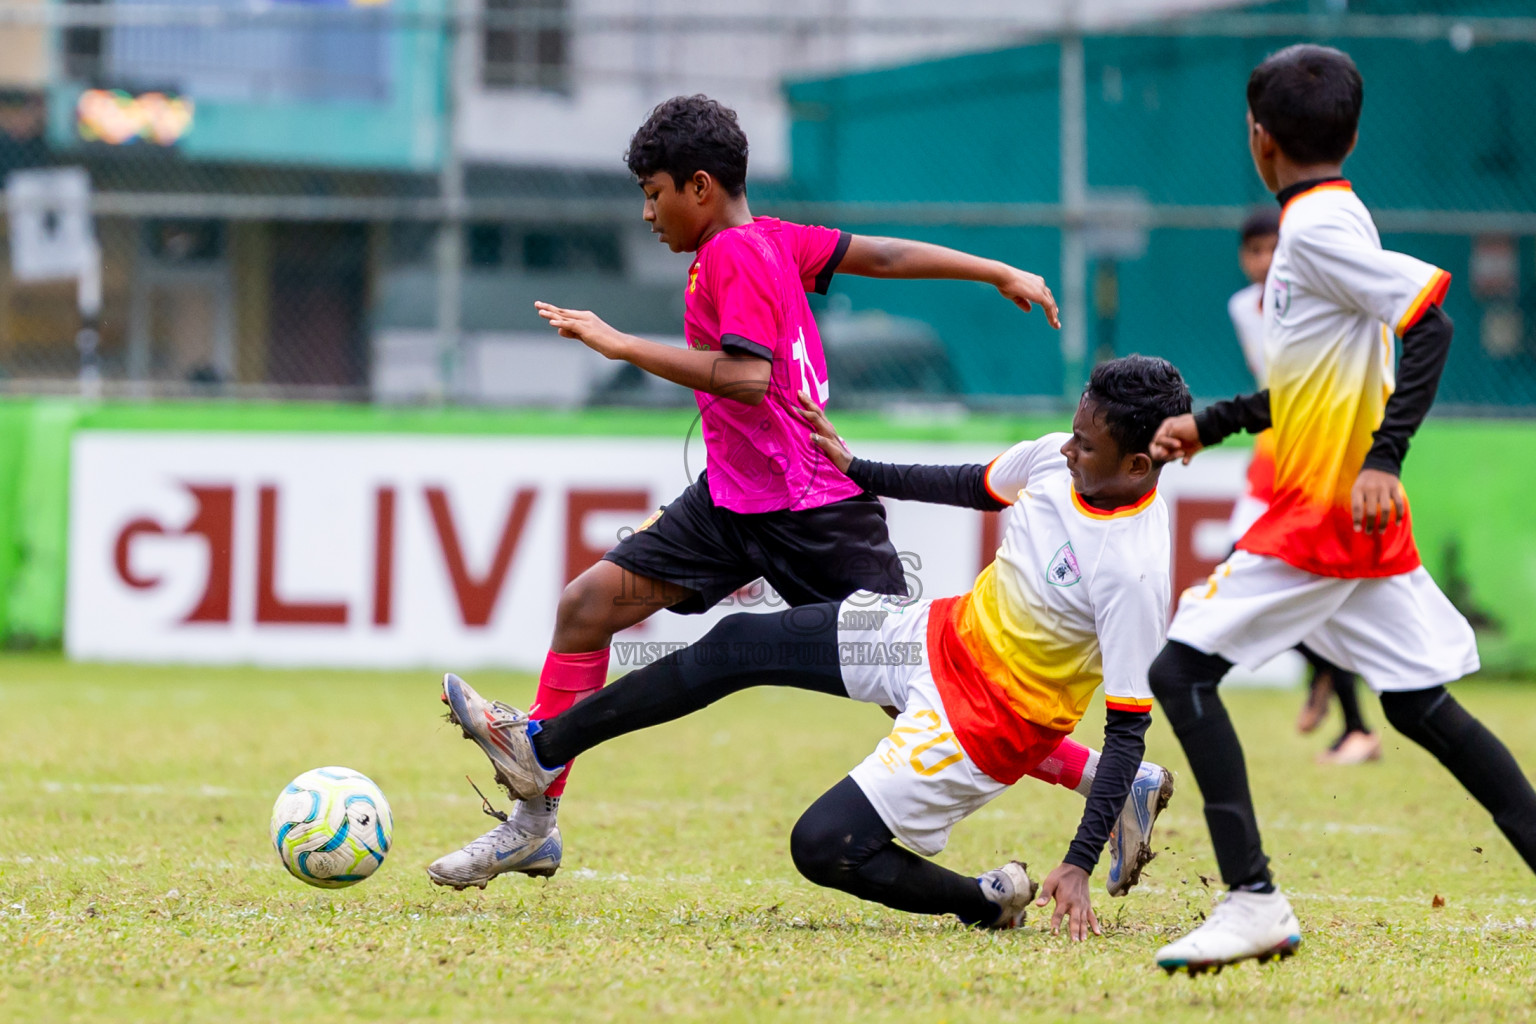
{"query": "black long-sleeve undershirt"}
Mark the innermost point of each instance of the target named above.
(1124, 745)
(1426, 347)
(965, 486)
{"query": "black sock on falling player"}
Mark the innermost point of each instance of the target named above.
(841, 842)
(1435, 721)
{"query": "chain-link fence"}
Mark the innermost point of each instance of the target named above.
(278, 208)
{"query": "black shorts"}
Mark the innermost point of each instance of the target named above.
(808, 556)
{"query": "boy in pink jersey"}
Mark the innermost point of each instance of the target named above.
(771, 505)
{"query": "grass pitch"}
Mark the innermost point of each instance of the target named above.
(136, 881)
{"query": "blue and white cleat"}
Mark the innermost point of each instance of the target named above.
(504, 848)
(1243, 926)
(502, 732)
(1130, 840)
(1012, 890)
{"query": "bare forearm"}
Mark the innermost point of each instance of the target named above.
(901, 258)
(742, 378)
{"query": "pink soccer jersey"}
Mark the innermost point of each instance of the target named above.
(746, 294)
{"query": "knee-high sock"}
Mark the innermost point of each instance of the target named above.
(840, 842)
(1433, 719)
(1071, 765)
(795, 647)
(566, 680)
(1184, 681)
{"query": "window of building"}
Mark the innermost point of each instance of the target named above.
(527, 43)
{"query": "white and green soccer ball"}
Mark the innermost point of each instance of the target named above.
(332, 827)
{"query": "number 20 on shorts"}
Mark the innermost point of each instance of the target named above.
(900, 736)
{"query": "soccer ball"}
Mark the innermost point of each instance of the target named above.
(331, 827)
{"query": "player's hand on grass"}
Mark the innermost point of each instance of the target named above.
(586, 327)
(1177, 438)
(1068, 885)
(823, 433)
(1376, 501)
(1026, 290)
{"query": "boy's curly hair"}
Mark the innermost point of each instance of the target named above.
(686, 134)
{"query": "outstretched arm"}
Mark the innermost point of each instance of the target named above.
(965, 486)
(743, 378)
(900, 258)
(1180, 437)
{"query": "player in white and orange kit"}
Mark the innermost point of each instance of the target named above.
(1256, 249)
(987, 685)
(1332, 561)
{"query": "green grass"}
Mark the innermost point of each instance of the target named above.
(136, 881)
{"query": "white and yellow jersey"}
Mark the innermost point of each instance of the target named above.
(1077, 596)
(1333, 301)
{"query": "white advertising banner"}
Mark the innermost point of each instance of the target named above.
(441, 552)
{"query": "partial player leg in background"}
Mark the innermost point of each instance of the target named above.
(1356, 744)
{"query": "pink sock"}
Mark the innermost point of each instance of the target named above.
(1071, 765)
(567, 679)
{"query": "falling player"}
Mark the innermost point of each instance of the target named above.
(1256, 248)
(1332, 562)
(987, 685)
(770, 504)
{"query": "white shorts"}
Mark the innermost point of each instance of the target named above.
(1397, 632)
(919, 779)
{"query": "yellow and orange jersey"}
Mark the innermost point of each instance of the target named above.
(1077, 596)
(1332, 302)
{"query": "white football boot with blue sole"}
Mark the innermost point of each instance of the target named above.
(1130, 840)
(504, 848)
(1244, 926)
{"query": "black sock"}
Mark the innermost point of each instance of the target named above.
(1433, 719)
(795, 647)
(841, 842)
(1184, 681)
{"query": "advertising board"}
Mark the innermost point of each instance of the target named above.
(406, 550)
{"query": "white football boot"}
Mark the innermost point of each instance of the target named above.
(504, 848)
(1243, 926)
(1130, 840)
(1011, 888)
(502, 732)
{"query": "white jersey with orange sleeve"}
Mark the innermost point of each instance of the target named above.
(987, 684)
(1077, 596)
(1334, 300)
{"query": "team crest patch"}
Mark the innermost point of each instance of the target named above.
(1063, 570)
(1282, 298)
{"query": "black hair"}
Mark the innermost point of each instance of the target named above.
(686, 134)
(1135, 394)
(1263, 221)
(1308, 97)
